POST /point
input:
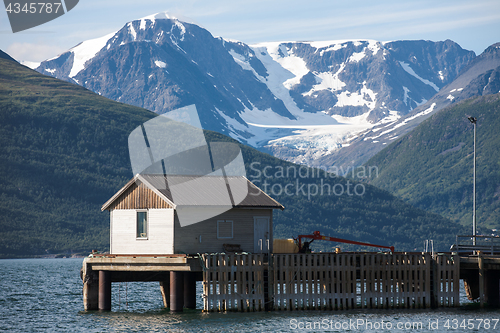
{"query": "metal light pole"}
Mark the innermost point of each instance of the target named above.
(474, 225)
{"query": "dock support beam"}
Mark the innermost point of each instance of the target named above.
(190, 290)
(434, 284)
(165, 292)
(481, 280)
(493, 288)
(90, 289)
(176, 291)
(104, 290)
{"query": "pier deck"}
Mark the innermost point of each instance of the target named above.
(261, 282)
(142, 263)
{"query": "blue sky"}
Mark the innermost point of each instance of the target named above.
(474, 25)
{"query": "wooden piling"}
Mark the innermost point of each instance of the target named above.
(176, 291)
(104, 291)
(90, 288)
(481, 279)
(189, 290)
(493, 288)
(165, 292)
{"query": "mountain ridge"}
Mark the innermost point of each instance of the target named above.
(469, 83)
(277, 97)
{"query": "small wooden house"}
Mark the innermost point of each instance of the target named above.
(144, 220)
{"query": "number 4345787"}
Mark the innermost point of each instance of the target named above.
(33, 8)
(471, 324)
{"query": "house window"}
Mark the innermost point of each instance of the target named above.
(142, 224)
(224, 229)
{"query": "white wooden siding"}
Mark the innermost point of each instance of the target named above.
(160, 231)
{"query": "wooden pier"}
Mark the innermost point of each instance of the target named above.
(176, 273)
(481, 275)
(329, 281)
(288, 282)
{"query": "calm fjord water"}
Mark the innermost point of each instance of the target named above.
(45, 295)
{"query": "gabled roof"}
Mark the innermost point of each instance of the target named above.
(207, 192)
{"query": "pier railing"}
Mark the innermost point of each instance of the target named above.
(486, 244)
(329, 281)
(234, 282)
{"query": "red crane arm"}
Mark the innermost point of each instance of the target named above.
(318, 236)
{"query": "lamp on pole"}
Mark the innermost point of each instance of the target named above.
(474, 225)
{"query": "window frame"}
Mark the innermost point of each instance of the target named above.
(232, 229)
(137, 235)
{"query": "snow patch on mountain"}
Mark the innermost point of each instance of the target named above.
(407, 120)
(242, 61)
(86, 51)
(335, 47)
(410, 71)
(169, 16)
(423, 113)
(441, 76)
(132, 30)
(181, 28)
(389, 120)
(285, 57)
(374, 46)
(278, 75)
(405, 97)
(365, 96)
(160, 64)
(357, 56)
(327, 81)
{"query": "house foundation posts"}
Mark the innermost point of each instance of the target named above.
(190, 290)
(493, 288)
(104, 290)
(165, 292)
(176, 291)
(480, 263)
(90, 288)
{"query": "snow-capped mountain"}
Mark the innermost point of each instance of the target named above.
(480, 77)
(302, 101)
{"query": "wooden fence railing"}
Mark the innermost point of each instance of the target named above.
(233, 282)
(328, 281)
(448, 278)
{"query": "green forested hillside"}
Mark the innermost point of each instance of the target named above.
(432, 167)
(64, 152)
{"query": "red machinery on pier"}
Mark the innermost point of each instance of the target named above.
(317, 236)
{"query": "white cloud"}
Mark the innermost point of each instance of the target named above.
(33, 52)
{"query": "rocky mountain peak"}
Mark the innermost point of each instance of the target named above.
(297, 100)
